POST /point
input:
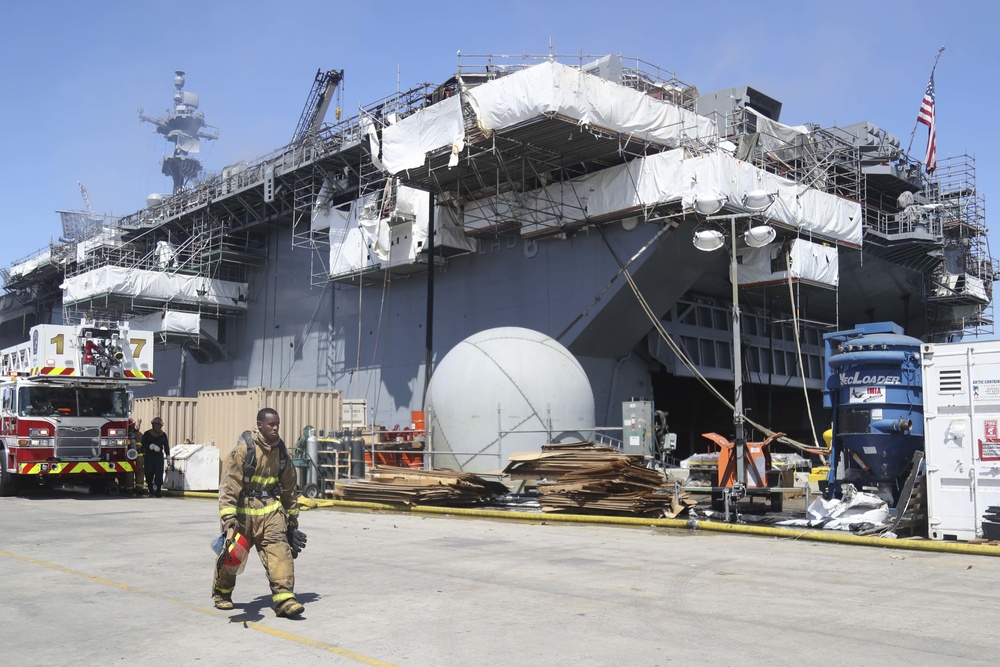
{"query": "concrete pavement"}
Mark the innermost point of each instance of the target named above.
(104, 580)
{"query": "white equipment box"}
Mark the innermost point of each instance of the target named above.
(962, 436)
(193, 468)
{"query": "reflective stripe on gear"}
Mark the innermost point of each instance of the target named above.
(260, 511)
(227, 512)
(264, 481)
(280, 597)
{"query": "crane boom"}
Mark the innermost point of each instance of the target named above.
(318, 102)
(86, 198)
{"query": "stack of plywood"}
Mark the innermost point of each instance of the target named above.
(405, 486)
(585, 478)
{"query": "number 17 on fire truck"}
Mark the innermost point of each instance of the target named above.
(64, 403)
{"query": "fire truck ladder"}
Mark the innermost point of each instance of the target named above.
(15, 359)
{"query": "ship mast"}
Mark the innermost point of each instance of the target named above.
(183, 126)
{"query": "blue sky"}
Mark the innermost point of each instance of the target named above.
(75, 74)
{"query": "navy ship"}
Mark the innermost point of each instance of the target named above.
(580, 198)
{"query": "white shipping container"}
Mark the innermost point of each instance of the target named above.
(962, 436)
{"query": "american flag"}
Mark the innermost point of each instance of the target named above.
(927, 117)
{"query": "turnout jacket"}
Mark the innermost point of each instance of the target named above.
(269, 489)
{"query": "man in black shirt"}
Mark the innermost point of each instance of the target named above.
(155, 448)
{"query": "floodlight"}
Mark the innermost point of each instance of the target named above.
(759, 236)
(758, 200)
(709, 203)
(708, 240)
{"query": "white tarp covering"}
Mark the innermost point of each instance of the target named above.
(774, 136)
(108, 237)
(555, 89)
(171, 322)
(664, 178)
(348, 245)
(543, 90)
(321, 215)
(405, 144)
(30, 265)
(964, 284)
(154, 285)
(809, 261)
(359, 233)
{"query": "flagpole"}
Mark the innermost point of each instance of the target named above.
(917, 123)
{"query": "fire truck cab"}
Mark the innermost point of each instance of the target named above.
(65, 406)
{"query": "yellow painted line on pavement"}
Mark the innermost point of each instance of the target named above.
(274, 632)
(321, 645)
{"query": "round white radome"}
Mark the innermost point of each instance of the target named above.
(505, 390)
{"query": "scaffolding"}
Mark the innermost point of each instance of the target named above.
(960, 290)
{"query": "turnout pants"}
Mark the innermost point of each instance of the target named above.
(265, 526)
(153, 465)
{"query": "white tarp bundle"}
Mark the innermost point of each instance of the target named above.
(154, 285)
(664, 178)
(855, 510)
(809, 261)
(548, 89)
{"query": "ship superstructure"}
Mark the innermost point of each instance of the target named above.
(520, 192)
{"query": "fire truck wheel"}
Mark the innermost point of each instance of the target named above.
(8, 481)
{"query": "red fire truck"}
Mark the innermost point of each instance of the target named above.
(65, 407)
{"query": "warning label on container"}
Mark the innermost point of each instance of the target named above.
(867, 395)
(990, 430)
(986, 391)
(989, 446)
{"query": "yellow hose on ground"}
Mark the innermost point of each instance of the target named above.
(690, 524)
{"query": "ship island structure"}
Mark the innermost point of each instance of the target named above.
(573, 197)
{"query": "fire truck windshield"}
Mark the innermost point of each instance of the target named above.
(72, 402)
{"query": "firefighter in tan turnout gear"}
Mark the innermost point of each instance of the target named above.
(261, 504)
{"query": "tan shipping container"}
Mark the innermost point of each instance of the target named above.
(179, 416)
(224, 414)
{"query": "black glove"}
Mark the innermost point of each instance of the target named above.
(296, 540)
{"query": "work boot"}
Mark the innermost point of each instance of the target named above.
(290, 609)
(223, 603)
(158, 494)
